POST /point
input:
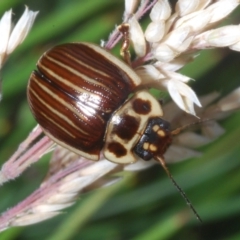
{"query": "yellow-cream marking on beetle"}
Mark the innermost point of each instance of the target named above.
(153, 148)
(126, 110)
(146, 145)
(155, 128)
(161, 133)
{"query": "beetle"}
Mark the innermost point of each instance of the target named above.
(80, 97)
(88, 101)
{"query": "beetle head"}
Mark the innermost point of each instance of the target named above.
(155, 140)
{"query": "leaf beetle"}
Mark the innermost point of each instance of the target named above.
(80, 97)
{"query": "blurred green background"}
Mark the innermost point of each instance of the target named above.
(143, 205)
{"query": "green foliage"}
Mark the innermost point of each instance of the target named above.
(144, 205)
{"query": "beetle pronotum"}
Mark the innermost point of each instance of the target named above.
(79, 95)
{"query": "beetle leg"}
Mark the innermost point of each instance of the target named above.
(124, 29)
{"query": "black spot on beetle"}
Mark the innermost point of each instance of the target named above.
(117, 149)
(127, 127)
(141, 106)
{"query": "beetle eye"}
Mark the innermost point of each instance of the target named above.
(155, 140)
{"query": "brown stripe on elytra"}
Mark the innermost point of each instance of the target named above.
(109, 100)
(98, 61)
(89, 67)
(127, 128)
(90, 78)
(45, 102)
(89, 107)
(61, 98)
(68, 52)
(69, 78)
(105, 104)
(50, 67)
(141, 106)
(82, 142)
(88, 141)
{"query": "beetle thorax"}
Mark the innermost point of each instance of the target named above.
(136, 129)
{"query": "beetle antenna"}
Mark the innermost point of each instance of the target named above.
(180, 129)
(163, 163)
